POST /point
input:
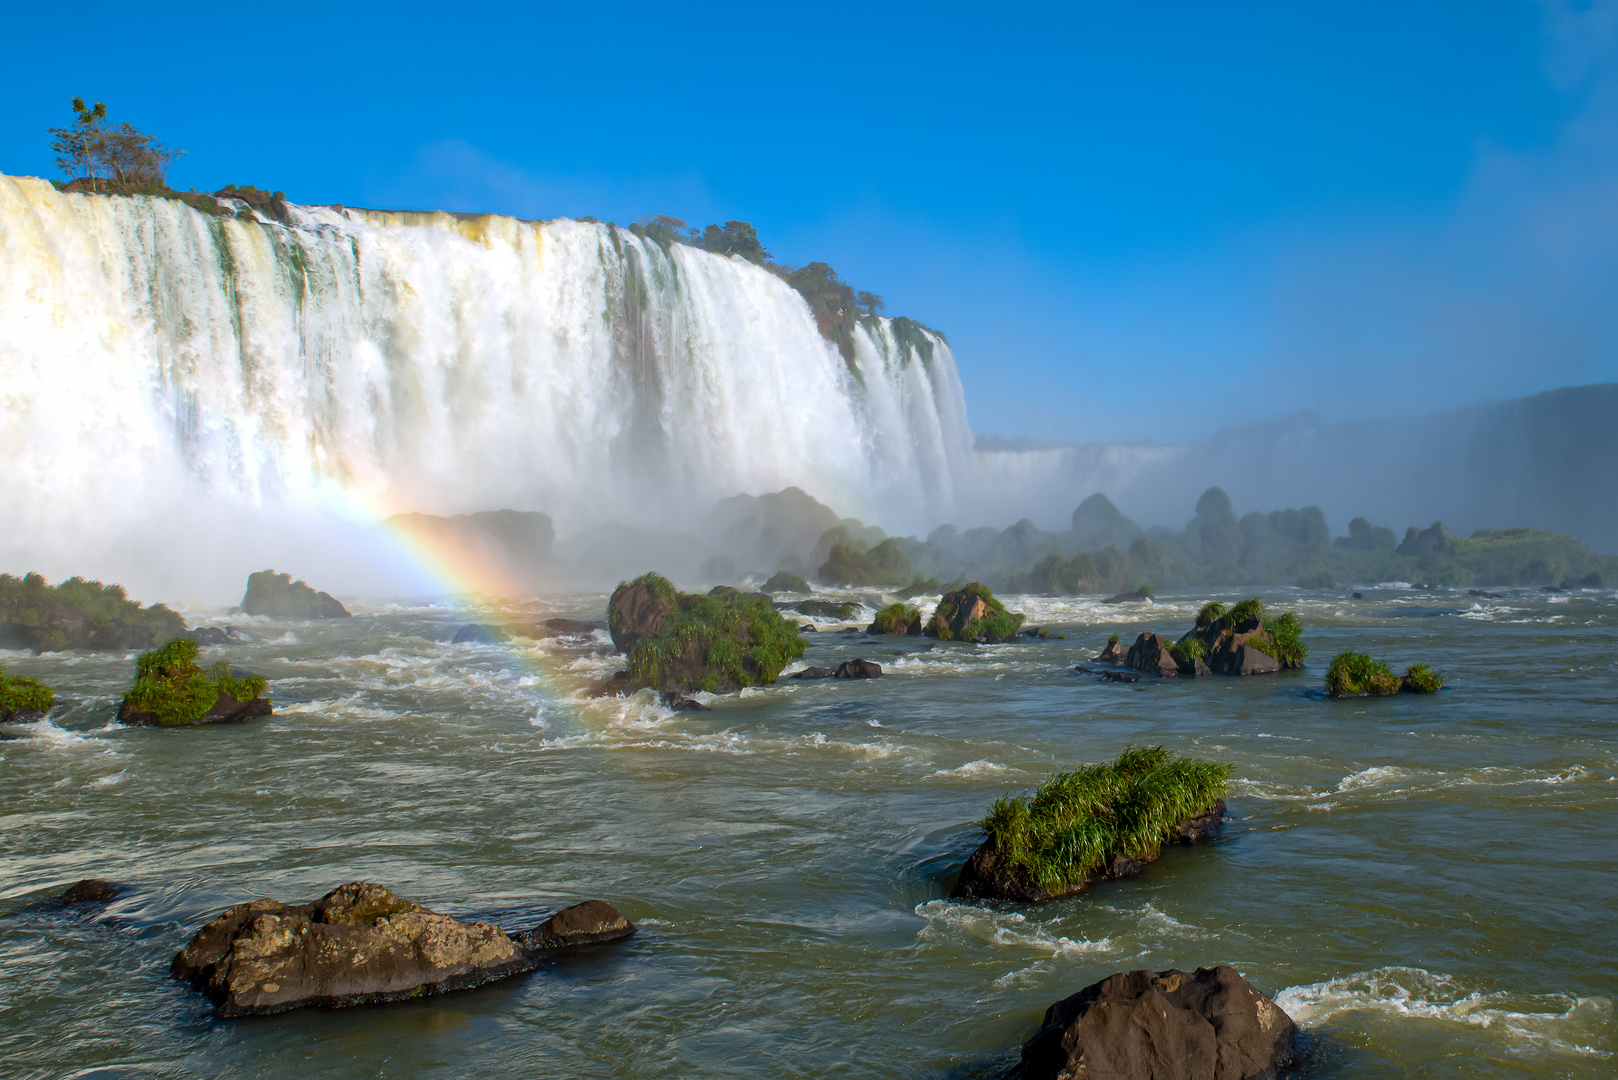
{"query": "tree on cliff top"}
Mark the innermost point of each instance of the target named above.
(121, 159)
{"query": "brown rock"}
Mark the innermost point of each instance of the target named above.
(635, 612)
(1151, 653)
(813, 673)
(1210, 1024)
(227, 710)
(859, 669)
(1114, 653)
(360, 943)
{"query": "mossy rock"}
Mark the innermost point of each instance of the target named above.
(681, 642)
(172, 690)
(785, 581)
(972, 613)
(1357, 675)
(896, 619)
(842, 610)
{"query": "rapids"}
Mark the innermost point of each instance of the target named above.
(1426, 882)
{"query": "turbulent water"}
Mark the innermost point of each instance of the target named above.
(1427, 883)
(158, 365)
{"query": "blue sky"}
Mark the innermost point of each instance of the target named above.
(1133, 221)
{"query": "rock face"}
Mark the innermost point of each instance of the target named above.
(479, 634)
(989, 875)
(1151, 653)
(227, 710)
(360, 943)
(1228, 652)
(1210, 1024)
(859, 669)
(972, 614)
(637, 612)
(279, 597)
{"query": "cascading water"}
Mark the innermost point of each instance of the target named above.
(161, 365)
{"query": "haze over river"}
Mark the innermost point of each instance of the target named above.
(1426, 882)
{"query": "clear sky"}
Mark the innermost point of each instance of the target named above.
(1133, 221)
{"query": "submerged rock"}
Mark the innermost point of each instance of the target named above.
(480, 634)
(1210, 1024)
(278, 596)
(89, 891)
(209, 636)
(573, 627)
(813, 673)
(360, 943)
(680, 703)
(1129, 597)
(859, 669)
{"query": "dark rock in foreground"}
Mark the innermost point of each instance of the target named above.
(989, 875)
(813, 673)
(859, 669)
(360, 944)
(480, 634)
(1210, 1024)
(1151, 653)
(89, 891)
(278, 596)
(678, 702)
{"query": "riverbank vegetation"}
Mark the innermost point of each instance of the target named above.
(78, 614)
(1077, 822)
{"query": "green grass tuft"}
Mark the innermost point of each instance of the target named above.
(22, 695)
(170, 684)
(1186, 653)
(1421, 679)
(1354, 674)
(1210, 612)
(1076, 822)
(895, 619)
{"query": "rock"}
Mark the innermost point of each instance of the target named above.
(1151, 653)
(1226, 644)
(1035, 632)
(278, 596)
(572, 627)
(637, 611)
(973, 614)
(1474, 592)
(678, 702)
(813, 673)
(1114, 653)
(827, 609)
(896, 619)
(1542, 588)
(360, 944)
(1129, 597)
(1210, 1024)
(859, 669)
(208, 636)
(807, 628)
(1249, 661)
(227, 710)
(89, 891)
(784, 581)
(989, 875)
(479, 634)
(1118, 676)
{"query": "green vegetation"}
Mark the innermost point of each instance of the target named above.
(1281, 638)
(722, 641)
(1112, 639)
(784, 581)
(1353, 674)
(171, 686)
(1076, 822)
(852, 563)
(78, 614)
(1421, 679)
(118, 159)
(895, 619)
(1210, 613)
(992, 623)
(21, 696)
(1186, 653)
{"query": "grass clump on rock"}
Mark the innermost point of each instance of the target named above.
(722, 641)
(1098, 821)
(1355, 675)
(171, 689)
(971, 613)
(897, 619)
(23, 697)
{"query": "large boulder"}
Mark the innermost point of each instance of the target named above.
(973, 614)
(1210, 1024)
(990, 875)
(638, 610)
(1151, 653)
(279, 597)
(360, 943)
(859, 669)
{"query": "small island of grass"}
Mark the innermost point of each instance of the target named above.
(896, 619)
(23, 699)
(1357, 675)
(172, 690)
(1103, 821)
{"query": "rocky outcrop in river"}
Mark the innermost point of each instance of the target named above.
(1210, 1024)
(279, 597)
(360, 944)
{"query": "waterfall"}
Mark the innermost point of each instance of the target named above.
(156, 361)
